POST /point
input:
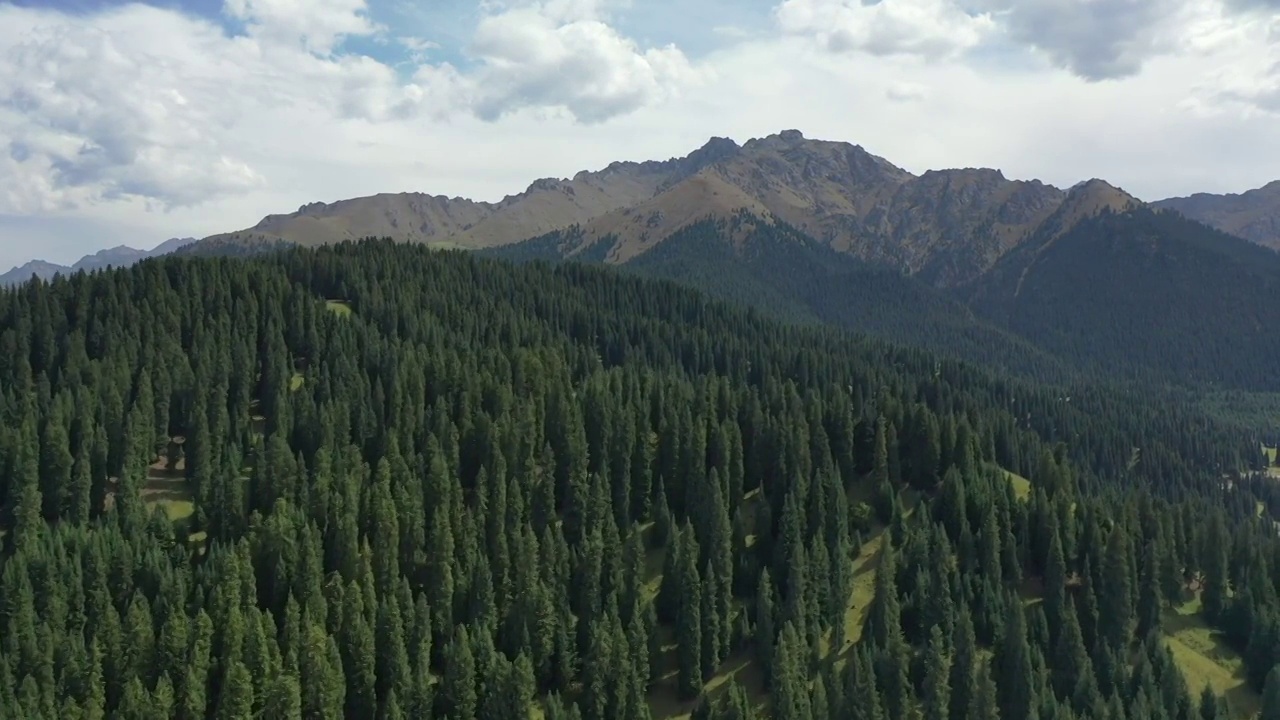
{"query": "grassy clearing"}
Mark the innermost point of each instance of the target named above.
(341, 308)
(1270, 452)
(1021, 485)
(1204, 658)
(167, 488)
(864, 589)
(296, 382)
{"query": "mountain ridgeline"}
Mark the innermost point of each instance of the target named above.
(1253, 215)
(121, 256)
(379, 482)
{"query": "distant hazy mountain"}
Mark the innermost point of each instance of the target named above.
(113, 257)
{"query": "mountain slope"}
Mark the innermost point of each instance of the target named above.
(121, 256)
(1144, 293)
(778, 270)
(1252, 215)
(1106, 285)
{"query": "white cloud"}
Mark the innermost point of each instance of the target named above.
(315, 24)
(560, 54)
(934, 29)
(110, 109)
(1095, 39)
(906, 92)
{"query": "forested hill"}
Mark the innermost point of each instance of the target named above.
(788, 275)
(1138, 297)
(1144, 294)
(374, 481)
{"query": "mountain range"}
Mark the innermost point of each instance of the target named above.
(120, 256)
(1040, 280)
(947, 226)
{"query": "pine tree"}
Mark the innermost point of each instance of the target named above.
(689, 622)
(1014, 666)
(236, 699)
(1271, 696)
(458, 690)
(964, 658)
(765, 635)
(937, 690)
(1116, 616)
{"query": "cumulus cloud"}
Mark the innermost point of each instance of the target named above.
(1263, 6)
(149, 103)
(1095, 39)
(561, 54)
(108, 110)
(1246, 79)
(317, 25)
(934, 29)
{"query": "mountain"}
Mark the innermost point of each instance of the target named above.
(945, 225)
(548, 204)
(1144, 292)
(1252, 215)
(1104, 285)
(38, 268)
(121, 256)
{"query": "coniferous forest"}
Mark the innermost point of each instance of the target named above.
(377, 481)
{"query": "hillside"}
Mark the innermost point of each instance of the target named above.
(1253, 215)
(1141, 296)
(785, 274)
(384, 478)
(1142, 291)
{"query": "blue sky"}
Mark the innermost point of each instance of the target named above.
(132, 123)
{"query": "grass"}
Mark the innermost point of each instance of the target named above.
(1203, 656)
(1270, 452)
(1021, 485)
(296, 382)
(341, 308)
(167, 488)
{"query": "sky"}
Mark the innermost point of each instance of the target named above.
(130, 123)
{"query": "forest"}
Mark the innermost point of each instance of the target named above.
(373, 480)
